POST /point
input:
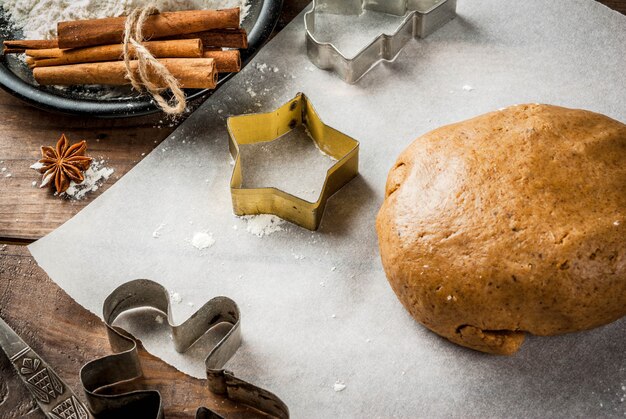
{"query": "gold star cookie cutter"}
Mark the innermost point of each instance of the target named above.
(267, 127)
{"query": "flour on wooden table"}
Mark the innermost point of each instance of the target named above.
(95, 176)
(38, 18)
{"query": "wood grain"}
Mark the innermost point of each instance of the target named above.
(619, 5)
(27, 212)
(67, 336)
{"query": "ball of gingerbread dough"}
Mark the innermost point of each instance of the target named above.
(513, 222)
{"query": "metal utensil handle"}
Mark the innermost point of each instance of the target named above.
(54, 397)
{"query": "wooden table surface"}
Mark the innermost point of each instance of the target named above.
(61, 331)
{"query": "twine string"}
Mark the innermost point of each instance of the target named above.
(150, 74)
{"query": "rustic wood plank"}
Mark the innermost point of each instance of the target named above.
(619, 5)
(27, 212)
(67, 336)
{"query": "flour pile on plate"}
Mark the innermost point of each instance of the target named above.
(38, 18)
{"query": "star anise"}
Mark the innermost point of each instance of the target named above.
(64, 163)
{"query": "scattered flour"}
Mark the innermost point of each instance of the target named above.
(468, 88)
(94, 177)
(159, 319)
(176, 298)
(339, 386)
(202, 240)
(264, 224)
(157, 233)
(36, 166)
(38, 18)
(262, 67)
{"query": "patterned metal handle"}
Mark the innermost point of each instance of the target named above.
(54, 397)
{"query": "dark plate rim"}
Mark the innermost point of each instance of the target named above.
(260, 33)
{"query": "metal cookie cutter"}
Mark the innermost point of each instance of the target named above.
(259, 128)
(53, 396)
(425, 17)
(101, 374)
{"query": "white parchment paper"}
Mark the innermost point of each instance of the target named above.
(316, 307)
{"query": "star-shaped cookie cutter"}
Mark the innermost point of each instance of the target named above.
(266, 127)
(424, 17)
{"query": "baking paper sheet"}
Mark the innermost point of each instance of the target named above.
(316, 307)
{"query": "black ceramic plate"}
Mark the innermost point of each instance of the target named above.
(16, 78)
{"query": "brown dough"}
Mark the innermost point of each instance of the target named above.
(513, 222)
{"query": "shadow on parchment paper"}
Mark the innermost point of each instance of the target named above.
(548, 375)
(460, 31)
(150, 324)
(144, 323)
(342, 209)
(583, 367)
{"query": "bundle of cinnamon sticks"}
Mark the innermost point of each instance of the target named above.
(188, 43)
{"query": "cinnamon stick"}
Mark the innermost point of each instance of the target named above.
(46, 53)
(180, 48)
(226, 61)
(192, 73)
(12, 51)
(83, 33)
(23, 44)
(227, 38)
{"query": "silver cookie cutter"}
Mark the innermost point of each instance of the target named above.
(98, 376)
(424, 17)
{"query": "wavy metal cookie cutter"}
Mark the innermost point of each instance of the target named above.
(266, 127)
(424, 17)
(102, 374)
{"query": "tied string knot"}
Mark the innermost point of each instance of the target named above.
(149, 74)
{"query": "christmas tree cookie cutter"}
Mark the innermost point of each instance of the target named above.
(266, 127)
(124, 365)
(424, 17)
